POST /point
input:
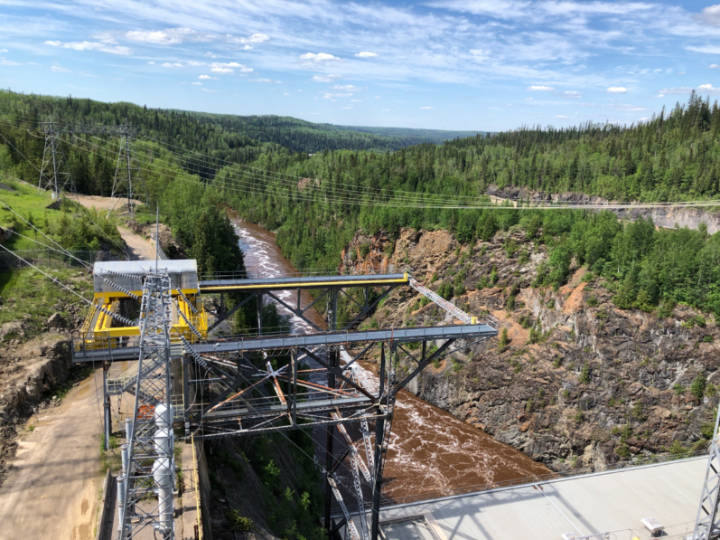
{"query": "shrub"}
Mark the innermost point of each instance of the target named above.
(585, 374)
(504, 340)
(697, 387)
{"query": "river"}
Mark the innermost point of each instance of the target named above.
(431, 453)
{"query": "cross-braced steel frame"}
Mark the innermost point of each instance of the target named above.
(275, 383)
(145, 486)
(707, 523)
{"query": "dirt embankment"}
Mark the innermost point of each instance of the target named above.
(52, 470)
(139, 241)
(581, 384)
(29, 373)
(667, 218)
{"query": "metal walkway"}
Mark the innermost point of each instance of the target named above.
(399, 335)
(313, 282)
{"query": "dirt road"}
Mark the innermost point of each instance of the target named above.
(138, 246)
(53, 487)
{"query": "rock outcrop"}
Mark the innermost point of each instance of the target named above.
(577, 383)
(31, 373)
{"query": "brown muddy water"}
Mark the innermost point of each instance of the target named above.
(431, 453)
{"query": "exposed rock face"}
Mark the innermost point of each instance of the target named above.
(11, 329)
(662, 217)
(30, 374)
(581, 384)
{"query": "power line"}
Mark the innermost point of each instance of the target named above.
(256, 181)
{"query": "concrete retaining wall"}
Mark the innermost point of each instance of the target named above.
(107, 510)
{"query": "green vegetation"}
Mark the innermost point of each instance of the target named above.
(673, 156)
(69, 224)
(291, 499)
(697, 387)
(503, 341)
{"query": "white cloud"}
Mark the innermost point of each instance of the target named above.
(171, 36)
(248, 42)
(572, 93)
(3, 51)
(205, 77)
(714, 66)
(346, 87)
(479, 54)
(705, 49)
(540, 88)
(89, 46)
(561, 116)
(594, 8)
(258, 38)
(708, 88)
(503, 9)
(617, 89)
(6, 62)
(366, 54)
(330, 77)
(58, 69)
(229, 67)
(676, 91)
(336, 95)
(426, 108)
(711, 15)
(318, 57)
(196, 83)
(172, 64)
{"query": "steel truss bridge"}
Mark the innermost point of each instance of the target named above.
(265, 383)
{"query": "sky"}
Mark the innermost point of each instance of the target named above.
(486, 65)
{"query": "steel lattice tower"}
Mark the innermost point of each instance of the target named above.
(145, 488)
(707, 523)
(50, 148)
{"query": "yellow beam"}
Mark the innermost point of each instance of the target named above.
(300, 285)
(118, 294)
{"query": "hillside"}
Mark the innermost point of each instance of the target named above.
(229, 137)
(573, 381)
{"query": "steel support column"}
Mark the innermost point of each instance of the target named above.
(107, 418)
(329, 434)
(379, 436)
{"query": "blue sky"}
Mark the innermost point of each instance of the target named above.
(452, 64)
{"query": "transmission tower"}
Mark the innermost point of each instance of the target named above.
(50, 158)
(124, 157)
(707, 523)
(145, 487)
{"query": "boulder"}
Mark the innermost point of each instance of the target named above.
(56, 320)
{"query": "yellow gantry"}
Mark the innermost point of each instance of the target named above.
(100, 329)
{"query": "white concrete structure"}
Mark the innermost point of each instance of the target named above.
(608, 505)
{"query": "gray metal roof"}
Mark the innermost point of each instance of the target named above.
(601, 505)
(112, 276)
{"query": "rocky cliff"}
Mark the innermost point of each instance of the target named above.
(573, 381)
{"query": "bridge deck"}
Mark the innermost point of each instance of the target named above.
(258, 343)
(311, 282)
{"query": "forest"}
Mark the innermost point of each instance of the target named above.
(317, 201)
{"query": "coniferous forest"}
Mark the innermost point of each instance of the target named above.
(318, 185)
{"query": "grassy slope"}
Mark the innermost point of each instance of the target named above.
(25, 294)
